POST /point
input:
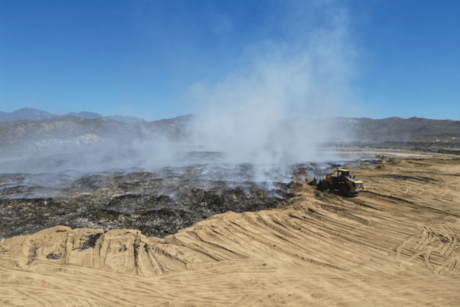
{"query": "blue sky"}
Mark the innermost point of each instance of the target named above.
(141, 57)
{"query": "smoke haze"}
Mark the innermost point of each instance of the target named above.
(267, 112)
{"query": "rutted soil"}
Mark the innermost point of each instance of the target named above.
(396, 244)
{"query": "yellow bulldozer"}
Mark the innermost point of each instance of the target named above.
(342, 181)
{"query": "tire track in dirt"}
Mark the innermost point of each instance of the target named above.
(389, 246)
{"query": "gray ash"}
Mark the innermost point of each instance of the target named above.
(157, 203)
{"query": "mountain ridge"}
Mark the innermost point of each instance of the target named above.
(36, 114)
(342, 129)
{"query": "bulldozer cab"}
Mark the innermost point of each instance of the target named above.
(343, 173)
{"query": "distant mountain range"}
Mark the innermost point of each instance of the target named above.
(56, 132)
(397, 129)
(35, 114)
(25, 114)
(37, 141)
(36, 126)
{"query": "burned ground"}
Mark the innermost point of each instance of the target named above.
(158, 203)
(396, 244)
(161, 202)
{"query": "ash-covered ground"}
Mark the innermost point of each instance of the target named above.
(158, 203)
(162, 201)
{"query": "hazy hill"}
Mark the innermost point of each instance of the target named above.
(69, 132)
(32, 133)
(396, 129)
(26, 114)
(35, 114)
(70, 142)
(84, 114)
(173, 128)
(127, 119)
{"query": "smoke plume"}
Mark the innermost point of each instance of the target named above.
(269, 111)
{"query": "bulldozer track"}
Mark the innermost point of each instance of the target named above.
(396, 244)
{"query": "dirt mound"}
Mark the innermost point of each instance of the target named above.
(396, 244)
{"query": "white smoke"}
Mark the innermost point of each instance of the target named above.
(267, 112)
(270, 111)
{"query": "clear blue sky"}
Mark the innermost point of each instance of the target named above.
(139, 57)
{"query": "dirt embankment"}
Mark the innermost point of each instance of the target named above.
(396, 244)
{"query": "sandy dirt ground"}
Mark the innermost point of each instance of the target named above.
(396, 244)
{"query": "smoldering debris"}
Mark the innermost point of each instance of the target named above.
(158, 202)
